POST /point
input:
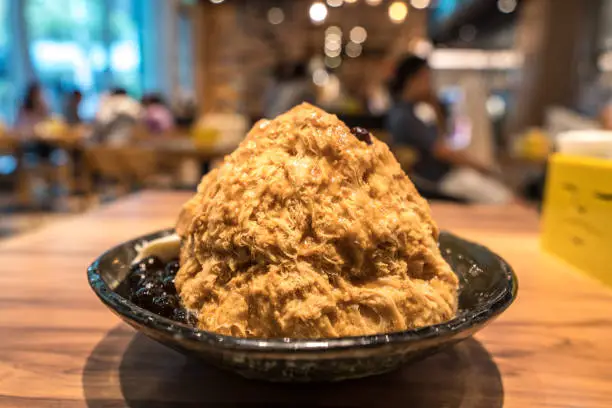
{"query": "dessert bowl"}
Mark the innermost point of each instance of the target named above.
(487, 287)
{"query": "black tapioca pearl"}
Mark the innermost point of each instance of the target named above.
(362, 134)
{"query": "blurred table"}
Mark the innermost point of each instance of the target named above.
(186, 148)
(61, 347)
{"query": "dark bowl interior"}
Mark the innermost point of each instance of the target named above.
(487, 287)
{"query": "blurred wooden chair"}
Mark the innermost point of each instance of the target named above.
(106, 164)
(140, 163)
(21, 177)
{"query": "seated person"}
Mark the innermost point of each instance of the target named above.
(156, 117)
(117, 116)
(32, 112)
(72, 105)
(449, 172)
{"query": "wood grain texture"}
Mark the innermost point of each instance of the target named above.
(60, 347)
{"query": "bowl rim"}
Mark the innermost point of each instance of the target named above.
(122, 306)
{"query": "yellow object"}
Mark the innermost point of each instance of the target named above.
(204, 137)
(577, 218)
(534, 145)
(53, 128)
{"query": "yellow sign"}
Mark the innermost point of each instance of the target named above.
(577, 218)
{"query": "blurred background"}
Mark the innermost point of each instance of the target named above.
(101, 98)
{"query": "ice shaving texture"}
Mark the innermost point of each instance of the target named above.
(307, 232)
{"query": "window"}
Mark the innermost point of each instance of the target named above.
(90, 45)
(66, 47)
(185, 54)
(125, 46)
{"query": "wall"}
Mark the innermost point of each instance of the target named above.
(236, 47)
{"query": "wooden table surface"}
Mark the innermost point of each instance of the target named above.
(60, 347)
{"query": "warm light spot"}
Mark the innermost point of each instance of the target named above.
(335, 3)
(318, 12)
(398, 12)
(333, 30)
(420, 4)
(358, 35)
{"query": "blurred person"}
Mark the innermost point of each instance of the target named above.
(157, 117)
(450, 172)
(116, 118)
(33, 111)
(185, 109)
(71, 107)
(290, 86)
(117, 102)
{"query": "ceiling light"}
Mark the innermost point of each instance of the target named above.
(398, 11)
(358, 35)
(420, 4)
(332, 53)
(318, 12)
(333, 45)
(333, 30)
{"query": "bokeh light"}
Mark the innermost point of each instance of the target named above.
(333, 30)
(496, 106)
(276, 15)
(420, 4)
(398, 11)
(335, 3)
(506, 6)
(333, 42)
(353, 50)
(333, 62)
(358, 35)
(318, 12)
(320, 77)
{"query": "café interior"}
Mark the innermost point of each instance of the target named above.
(499, 112)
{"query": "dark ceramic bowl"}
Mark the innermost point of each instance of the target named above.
(488, 287)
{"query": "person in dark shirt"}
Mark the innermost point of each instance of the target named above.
(417, 120)
(71, 107)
